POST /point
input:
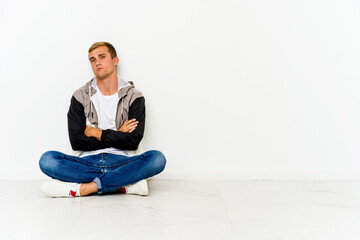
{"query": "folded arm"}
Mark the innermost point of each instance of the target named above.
(87, 138)
(128, 137)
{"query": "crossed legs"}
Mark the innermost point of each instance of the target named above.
(103, 172)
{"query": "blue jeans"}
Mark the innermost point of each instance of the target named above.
(108, 171)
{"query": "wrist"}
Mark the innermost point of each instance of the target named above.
(97, 133)
(93, 132)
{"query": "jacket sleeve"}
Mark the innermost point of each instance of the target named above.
(128, 141)
(76, 128)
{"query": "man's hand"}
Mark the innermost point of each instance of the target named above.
(129, 126)
(93, 132)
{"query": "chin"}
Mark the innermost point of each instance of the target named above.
(101, 76)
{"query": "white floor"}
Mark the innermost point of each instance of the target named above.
(263, 210)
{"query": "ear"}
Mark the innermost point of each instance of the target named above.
(116, 61)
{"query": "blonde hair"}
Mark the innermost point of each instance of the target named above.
(110, 47)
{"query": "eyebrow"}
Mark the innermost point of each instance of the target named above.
(98, 55)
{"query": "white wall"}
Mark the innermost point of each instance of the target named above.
(234, 89)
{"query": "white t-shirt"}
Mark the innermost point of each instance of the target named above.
(106, 116)
(107, 111)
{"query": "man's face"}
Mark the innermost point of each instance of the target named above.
(101, 62)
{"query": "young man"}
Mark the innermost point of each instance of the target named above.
(106, 122)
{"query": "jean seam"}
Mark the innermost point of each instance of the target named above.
(129, 161)
(117, 165)
(76, 160)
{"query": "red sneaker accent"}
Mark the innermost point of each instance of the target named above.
(123, 190)
(72, 193)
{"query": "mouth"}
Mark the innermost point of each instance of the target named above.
(98, 69)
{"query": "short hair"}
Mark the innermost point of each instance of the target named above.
(110, 47)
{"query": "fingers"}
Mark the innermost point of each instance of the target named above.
(86, 131)
(129, 125)
(129, 122)
(134, 124)
(132, 128)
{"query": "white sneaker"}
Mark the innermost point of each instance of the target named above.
(56, 188)
(139, 188)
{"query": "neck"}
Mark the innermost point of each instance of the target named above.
(108, 86)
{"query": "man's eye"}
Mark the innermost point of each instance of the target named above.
(102, 56)
(92, 60)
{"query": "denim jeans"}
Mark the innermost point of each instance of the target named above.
(108, 171)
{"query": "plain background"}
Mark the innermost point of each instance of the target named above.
(234, 89)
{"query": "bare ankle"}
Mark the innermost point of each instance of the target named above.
(87, 188)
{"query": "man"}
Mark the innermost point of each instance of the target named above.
(106, 122)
